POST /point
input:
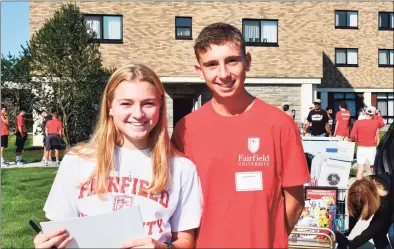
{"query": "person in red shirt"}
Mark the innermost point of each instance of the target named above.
(252, 168)
(21, 137)
(4, 134)
(366, 133)
(342, 119)
(53, 131)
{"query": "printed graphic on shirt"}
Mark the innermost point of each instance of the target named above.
(162, 213)
(254, 159)
(317, 117)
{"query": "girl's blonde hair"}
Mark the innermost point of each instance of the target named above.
(363, 198)
(106, 136)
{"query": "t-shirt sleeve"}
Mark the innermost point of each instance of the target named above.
(188, 212)
(338, 117)
(295, 168)
(309, 118)
(178, 136)
(61, 201)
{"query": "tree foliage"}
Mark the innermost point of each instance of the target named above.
(15, 85)
(68, 72)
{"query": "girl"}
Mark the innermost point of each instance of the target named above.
(129, 161)
(366, 197)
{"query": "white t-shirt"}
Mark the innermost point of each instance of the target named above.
(178, 208)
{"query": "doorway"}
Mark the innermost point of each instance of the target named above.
(182, 105)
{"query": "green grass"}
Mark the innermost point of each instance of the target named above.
(23, 195)
(30, 154)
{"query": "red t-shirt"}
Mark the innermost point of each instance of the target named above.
(343, 119)
(228, 150)
(54, 126)
(364, 131)
(4, 128)
(20, 120)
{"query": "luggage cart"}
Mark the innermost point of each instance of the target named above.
(327, 234)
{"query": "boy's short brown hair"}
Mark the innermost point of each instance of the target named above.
(218, 34)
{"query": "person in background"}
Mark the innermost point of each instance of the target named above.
(293, 113)
(342, 123)
(369, 196)
(330, 117)
(286, 109)
(366, 134)
(4, 134)
(21, 137)
(45, 117)
(53, 131)
(318, 118)
(362, 115)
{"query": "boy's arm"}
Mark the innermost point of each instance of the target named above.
(294, 203)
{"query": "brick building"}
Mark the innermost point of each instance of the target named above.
(338, 51)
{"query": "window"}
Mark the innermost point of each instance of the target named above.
(386, 57)
(386, 20)
(183, 28)
(345, 19)
(260, 32)
(346, 57)
(349, 99)
(385, 103)
(107, 28)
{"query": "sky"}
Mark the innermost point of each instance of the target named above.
(14, 26)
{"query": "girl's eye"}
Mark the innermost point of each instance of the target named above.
(125, 103)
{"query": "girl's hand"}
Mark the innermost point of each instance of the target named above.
(143, 243)
(59, 238)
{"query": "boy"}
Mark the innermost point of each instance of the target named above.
(252, 168)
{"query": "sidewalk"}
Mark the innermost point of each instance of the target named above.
(30, 165)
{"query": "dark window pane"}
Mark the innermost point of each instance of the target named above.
(340, 18)
(183, 21)
(384, 20)
(185, 32)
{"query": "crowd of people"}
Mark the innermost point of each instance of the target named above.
(52, 131)
(206, 186)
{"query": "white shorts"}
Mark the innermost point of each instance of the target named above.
(365, 154)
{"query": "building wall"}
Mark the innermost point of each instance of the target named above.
(149, 34)
(367, 38)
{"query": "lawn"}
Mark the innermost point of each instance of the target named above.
(23, 195)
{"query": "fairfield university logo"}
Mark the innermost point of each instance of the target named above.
(255, 159)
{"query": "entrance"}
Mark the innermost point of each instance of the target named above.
(182, 105)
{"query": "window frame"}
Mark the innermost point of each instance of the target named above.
(191, 29)
(102, 40)
(261, 44)
(386, 100)
(347, 25)
(385, 65)
(385, 12)
(346, 64)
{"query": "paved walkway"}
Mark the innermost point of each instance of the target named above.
(30, 165)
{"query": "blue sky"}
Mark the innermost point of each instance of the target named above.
(14, 26)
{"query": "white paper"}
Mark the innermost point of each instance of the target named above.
(101, 231)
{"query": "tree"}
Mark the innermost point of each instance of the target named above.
(15, 85)
(69, 75)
